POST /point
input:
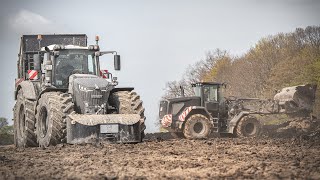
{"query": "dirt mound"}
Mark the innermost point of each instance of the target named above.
(300, 127)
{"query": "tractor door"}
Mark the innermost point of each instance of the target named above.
(210, 99)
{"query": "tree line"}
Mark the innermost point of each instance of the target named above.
(274, 62)
(6, 132)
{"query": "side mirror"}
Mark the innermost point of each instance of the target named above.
(117, 65)
(37, 62)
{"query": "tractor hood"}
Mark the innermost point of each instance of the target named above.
(88, 82)
(90, 93)
(175, 105)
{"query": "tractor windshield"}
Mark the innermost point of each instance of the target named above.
(210, 93)
(197, 91)
(73, 62)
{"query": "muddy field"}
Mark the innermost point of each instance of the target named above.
(161, 157)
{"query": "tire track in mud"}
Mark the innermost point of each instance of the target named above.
(165, 158)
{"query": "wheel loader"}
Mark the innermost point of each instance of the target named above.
(208, 111)
(62, 95)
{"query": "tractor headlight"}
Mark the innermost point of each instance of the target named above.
(82, 88)
(91, 47)
(96, 47)
(56, 47)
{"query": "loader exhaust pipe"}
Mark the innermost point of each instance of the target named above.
(182, 91)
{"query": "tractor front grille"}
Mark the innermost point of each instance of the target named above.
(94, 97)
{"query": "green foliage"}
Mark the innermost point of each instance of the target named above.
(6, 132)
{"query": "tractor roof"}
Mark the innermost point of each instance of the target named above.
(206, 83)
(54, 46)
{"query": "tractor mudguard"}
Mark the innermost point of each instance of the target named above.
(234, 121)
(28, 90)
(194, 110)
(168, 119)
(190, 111)
(121, 89)
(119, 128)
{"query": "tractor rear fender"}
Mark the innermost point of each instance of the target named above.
(121, 89)
(48, 90)
(28, 89)
(234, 121)
(191, 110)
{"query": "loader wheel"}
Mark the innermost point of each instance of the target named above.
(52, 112)
(128, 102)
(24, 122)
(248, 126)
(197, 126)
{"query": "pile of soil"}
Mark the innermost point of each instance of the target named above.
(299, 127)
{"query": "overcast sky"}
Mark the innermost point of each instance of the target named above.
(157, 40)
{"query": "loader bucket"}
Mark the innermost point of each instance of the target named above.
(298, 100)
(118, 128)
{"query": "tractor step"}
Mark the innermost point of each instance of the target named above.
(215, 125)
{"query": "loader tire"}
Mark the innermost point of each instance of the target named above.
(24, 122)
(52, 111)
(197, 126)
(248, 126)
(128, 102)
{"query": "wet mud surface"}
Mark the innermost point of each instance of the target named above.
(161, 157)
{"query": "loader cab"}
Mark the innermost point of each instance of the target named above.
(210, 95)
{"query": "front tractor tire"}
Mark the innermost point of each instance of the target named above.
(24, 122)
(52, 111)
(128, 102)
(248, 126)
(197, 126)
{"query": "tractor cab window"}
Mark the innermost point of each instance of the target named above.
(197, 91)
(210, 93)
(72, 62)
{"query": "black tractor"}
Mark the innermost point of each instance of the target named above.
(208, 111)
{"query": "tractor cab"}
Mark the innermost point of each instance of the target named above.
(210, 95)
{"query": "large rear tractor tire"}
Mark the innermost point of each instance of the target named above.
(128, 102)
(24, 122)
(248, 126)
(52, 111)
(197, 126)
